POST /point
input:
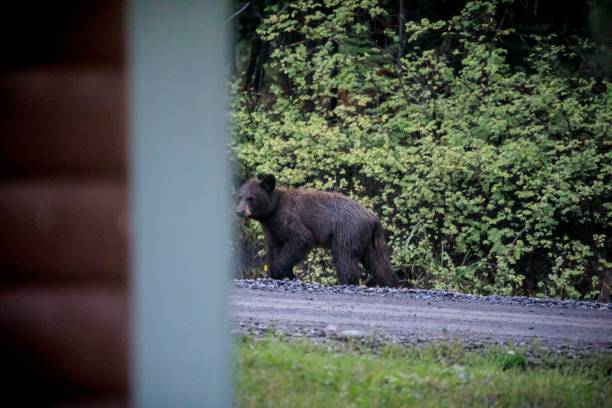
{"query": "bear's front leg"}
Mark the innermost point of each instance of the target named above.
(274, 271)
(286, 257)
(272, 246)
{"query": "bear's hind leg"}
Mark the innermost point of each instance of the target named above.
(347, 268)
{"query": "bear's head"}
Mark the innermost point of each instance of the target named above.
(256, 198)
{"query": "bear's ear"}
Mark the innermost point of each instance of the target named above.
(268, 182)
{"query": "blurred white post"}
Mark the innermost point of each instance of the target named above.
(179, 175)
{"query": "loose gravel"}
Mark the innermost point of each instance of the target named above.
(296, 286)
(418, 317)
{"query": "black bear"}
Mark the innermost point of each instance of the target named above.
(294, 221)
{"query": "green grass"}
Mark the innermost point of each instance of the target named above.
(274, 372)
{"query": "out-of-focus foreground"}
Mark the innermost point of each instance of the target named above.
(63, 220)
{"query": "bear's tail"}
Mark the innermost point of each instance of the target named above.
(378, 259)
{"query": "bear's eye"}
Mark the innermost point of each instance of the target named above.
(250, 200)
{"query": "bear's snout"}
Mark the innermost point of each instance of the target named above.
(243, 211)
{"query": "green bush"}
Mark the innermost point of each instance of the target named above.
(490, 177)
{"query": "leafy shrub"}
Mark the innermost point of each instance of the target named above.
(490, 177)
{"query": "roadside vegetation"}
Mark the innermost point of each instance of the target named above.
(479, 131)
(273, 372)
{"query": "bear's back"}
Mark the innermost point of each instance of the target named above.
(325, 213)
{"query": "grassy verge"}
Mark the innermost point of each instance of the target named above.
(277, 373)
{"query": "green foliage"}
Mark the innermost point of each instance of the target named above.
(490, 177)
(509, 359)
(301, 374)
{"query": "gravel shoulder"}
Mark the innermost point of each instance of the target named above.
(408, 316)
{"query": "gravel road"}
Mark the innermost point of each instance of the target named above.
(409, 316)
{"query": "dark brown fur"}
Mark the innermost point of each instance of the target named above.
(294, 221)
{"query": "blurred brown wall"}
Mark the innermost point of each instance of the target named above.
(63, 216)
